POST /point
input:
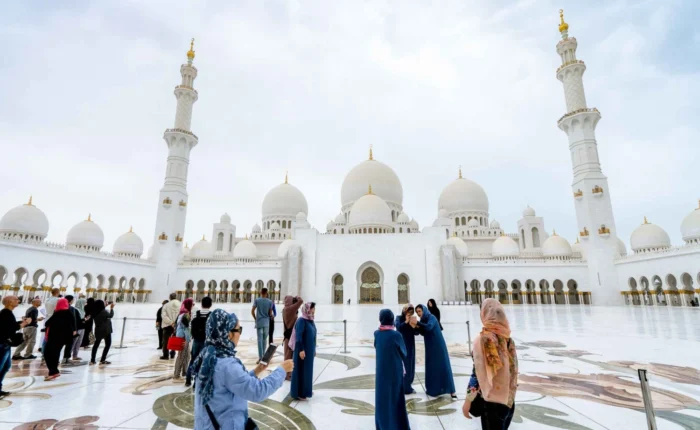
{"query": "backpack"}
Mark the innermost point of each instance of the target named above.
(199, 327)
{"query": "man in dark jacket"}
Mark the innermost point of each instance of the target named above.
(159, 324)
(198, 328)
(8, 327)
(74, 346)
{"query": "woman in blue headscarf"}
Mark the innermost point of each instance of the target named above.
(407, 325)
(438, 372)
(389, 399)
(223, 386)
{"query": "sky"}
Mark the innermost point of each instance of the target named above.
(86, 91)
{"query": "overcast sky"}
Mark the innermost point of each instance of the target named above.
(86, 93)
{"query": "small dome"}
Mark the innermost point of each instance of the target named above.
(414, 224)
(225, 219)
(495, 224)
(256, 228)
(528, 212)
(284, 247)
(442, 213)
(473, 222)
(649, 236)
(330, 226)
(556, 246)
(245, 249)
(301, 216)
(504, 246)
(86, 234)
(459, 244)
(128, 243)
(370, 210)
(340, 219)
(463, 195)
(621, 248)
(384, 182)
(25, 219)
(185, 251)
(275, 226)
(576, 247)
(201, 250)
(284, 200)
(690, 227)
(403, 218)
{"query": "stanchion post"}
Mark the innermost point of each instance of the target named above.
(469, 339)
(345, 337)
(121, 341)
(646, 396)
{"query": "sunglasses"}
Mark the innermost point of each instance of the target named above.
(238, 330)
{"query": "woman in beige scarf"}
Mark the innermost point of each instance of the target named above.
(496, 369)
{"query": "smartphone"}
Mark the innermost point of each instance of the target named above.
(268, 354)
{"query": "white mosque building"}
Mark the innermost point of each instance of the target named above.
(372, 252)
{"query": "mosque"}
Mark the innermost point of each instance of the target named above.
(373, 251)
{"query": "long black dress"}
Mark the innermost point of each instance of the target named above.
(89, 306)
(61, 326)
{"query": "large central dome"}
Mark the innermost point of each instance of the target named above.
(284, 200)
(463, 195)
(383, 179)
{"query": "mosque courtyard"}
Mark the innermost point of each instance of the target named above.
(577, 371)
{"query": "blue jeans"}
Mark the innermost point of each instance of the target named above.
(5, 362)
(197, 346)
(263, 337)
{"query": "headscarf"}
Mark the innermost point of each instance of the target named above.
(494, 342)
(289, 314)
(426, 314)
(305, 314)
(217, 345)
(62, 305)
(80, 305)
(434, 308)
(98, 307)
(186, 306)
(386, 320)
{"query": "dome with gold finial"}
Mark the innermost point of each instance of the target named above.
(245, 250)
(459, 244)
(190, 53)
(385, 183)
(128, 244)
(463, 195)
(86, 235)
(284, 200)
(25, 221)
(690, 227)
(649, 237)
(202, 250)
(370, 210)
(556, 247)
(563, 26)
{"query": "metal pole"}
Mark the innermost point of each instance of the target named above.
(345, 337)
(121, 342)
(646, 396)
(469, 339)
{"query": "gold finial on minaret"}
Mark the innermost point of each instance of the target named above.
(190, 53)
(30, 201)
(577, 240)
(554, 232)
(460, 171)
(645, 220)
(286, 177)
(563, 26)
(370, 189)
(131, 229)
(371, 156)
(89, 217)
(203, 237)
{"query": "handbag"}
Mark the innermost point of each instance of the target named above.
(176, 343)
(249, 425)
(478, 406)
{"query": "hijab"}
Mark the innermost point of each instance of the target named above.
(289, 314)
(386, 320)
(494, 343)
(305, 314)
(434, 308)
(217, 345)
(62, 305)
(80, 305)
(186, 306)
(426, 314)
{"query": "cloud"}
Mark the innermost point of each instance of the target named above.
(307, 86)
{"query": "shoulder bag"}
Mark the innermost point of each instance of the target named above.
(249, 425)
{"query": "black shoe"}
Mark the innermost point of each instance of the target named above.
(172, 355)
(188, 383)
(164, 358)
(31, 357)
(17, 357)
(4, 393)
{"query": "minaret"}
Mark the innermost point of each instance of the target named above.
(590, 189)
(172, 202)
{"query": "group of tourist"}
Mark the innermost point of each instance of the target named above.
(69, 324)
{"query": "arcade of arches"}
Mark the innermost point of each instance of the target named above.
(528, 292)
(230, 292)
(659, 291)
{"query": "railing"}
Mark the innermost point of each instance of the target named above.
(181, 130)
(237, 262)
(576, 112)
(673, 250)
(66, 248)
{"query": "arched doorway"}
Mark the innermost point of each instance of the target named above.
(475, 293)
(403, 288)
(688, 290)
(673, 292)
(235, 291)
(247, 292)
(200, 290)
(503, 292)
(574, 298)
(189, 289)
(646, 292)
(370, 285)
(559, 297)
(661, 298)
(337, 282)
(271, 290)
(535, 237)
(488, 287)
(545, 298)
(516, 294)
(633, 292)
(223, 296)
(530, 291)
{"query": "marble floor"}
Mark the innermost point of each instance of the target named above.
(577, 371)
